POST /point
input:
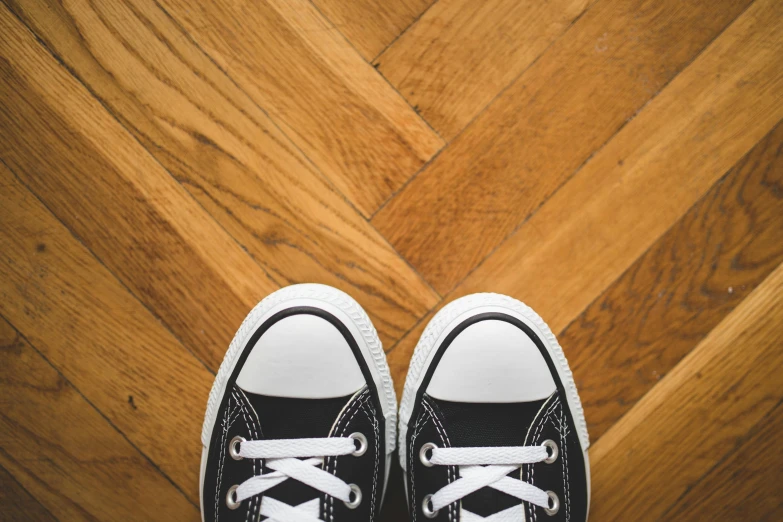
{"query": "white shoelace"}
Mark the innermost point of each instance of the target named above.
(283, 457)
(482, 467)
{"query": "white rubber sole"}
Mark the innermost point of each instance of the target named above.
(453, 315)
(331, 300)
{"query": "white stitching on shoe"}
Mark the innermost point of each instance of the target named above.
(542, 421)
(227, 422)
(255, 502)
(444, 438)
(357, 401)
(564, 445)
(374, 422)
(420, 423)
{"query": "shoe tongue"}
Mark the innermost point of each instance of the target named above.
(286, 418)
(488, 424)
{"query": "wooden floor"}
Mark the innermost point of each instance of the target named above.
(616, 164)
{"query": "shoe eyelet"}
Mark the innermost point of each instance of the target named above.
(231, 498)
(426, 507)
(553, 450)
(554, 504)
(357, 497)
(233, 447)
(362, 440)
(423, 454)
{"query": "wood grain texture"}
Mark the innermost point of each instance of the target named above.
(745, 485)
(17, 503)
(638, 185)
(332, 104)
(680, 289)
(531, 139)
(696, 415)
(67, 455)
(648, 175)
(166, 164)
(101, 338)
(371, 25)
(119, 201)
(461, 54)
(228, 154)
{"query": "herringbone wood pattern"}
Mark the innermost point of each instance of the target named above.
(616, 164)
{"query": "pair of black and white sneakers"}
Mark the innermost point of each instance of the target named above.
(302, 420)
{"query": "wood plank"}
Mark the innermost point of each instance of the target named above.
(229, 156)
(641, 182)
(66, 454)
(100, 337)
(461, 54)
(745, 485)
(120, 202)
(371, 25)
(680, 289)
(16, 503)
(332, 104)
(696, 415)
(532, 139)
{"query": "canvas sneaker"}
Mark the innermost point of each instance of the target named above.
(491, 425)
(301, 419)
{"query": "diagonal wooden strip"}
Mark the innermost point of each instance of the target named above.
(745, 485)
(229, 156)
(681, 288)
(642, 182)
(16, 503)
(531, 139)
(461, 54)
(345, 117)
(68, 456)
(371, 25)
(694, 417)
(99, 336)
(119, 201)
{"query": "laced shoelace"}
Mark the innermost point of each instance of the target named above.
(482, 467)
(284, 458)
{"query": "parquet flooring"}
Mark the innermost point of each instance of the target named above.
(616, 164)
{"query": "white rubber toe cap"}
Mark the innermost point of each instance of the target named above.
(491, 361)
(304, 357)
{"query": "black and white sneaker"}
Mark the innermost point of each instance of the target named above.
(491, 426)
(301, 419)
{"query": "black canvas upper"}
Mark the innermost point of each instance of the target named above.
(454, 424)
(257, 417)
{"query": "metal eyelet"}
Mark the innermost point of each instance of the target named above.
(426, 507)
(357, 497)
(233, 447)
(553, 450)
(362, 440)
(231, 498)
(554, 504)
(423, 454)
